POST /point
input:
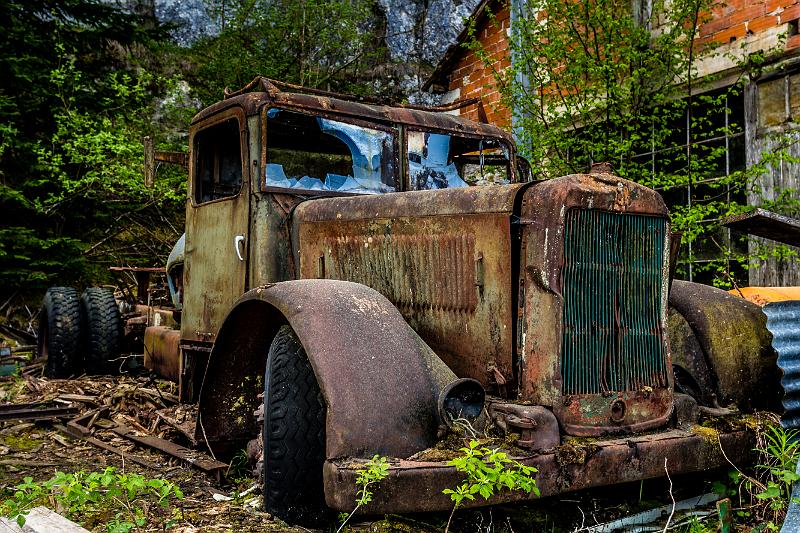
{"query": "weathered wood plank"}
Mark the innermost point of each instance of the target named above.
(43, 520)
(763, 223)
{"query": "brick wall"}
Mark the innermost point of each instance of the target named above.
(738, 27)
(471, 77)
(733, 20)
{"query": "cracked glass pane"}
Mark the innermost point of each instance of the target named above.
(319, 154)
(439, 161)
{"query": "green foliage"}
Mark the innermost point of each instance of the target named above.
(375, 470)
(84, 495)
(488, 471)
(581, 66)
(75, 100)
(239, 470)
(316, 43)
(779, 454)
(96, 154)
(764, 498)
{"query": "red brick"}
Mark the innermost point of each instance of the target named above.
(716, 25)
(773, 5)
(793, 42)
(725, 36)
(734, 5)
(747, 13)
(720, 23)
(762, 23)
(790, 13)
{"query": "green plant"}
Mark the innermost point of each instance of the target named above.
(374, 471)
(488, 471)
(239, 469)
(84, 494)
(779, 454)
(289, 40)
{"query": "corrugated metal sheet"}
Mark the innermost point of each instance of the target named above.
(783, 321)
(612, 302)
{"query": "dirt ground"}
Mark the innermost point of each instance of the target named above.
(39, 449)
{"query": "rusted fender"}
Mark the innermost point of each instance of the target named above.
(380, 381)
(733, 336)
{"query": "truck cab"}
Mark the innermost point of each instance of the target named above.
(257, 157)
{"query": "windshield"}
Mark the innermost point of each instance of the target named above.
(319, 154)
(439, 161)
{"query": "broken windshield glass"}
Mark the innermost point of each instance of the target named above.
(439, 161)
(319, 154)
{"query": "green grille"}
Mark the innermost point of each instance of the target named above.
(612, 336)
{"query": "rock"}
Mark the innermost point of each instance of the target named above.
(419, 33)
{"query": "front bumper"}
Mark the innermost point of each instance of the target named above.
(414, 486)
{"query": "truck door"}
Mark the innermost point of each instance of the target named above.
(217, 214)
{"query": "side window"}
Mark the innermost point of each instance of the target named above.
(218, 164)
(319, 154)
(440, 161)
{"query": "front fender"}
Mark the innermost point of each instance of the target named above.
(732, 335)
(380, 381)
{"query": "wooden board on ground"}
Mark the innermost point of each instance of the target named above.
(43, 520)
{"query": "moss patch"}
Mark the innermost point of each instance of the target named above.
(20, 442)
(450, 447)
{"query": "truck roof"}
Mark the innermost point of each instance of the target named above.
(264, 91)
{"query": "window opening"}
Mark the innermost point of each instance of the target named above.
(440, 161)
(319, 154)
(219, 162)
(716, 148)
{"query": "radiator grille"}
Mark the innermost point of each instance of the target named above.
(612, 279)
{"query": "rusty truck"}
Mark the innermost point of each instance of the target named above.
(359, 279)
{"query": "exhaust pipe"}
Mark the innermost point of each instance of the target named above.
(461, 401)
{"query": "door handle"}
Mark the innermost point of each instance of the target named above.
(239, 239)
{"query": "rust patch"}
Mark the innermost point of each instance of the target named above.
(449, 274)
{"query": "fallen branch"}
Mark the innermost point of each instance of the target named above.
(672, 512)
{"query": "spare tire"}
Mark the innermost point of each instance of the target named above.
(102, 331)
(59, 335)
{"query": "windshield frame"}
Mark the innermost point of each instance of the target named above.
(392, 129)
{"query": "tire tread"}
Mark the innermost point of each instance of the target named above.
(294, 433)
(60, 325)
(103, 330)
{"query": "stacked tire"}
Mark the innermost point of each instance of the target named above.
(102, 331)
(79, 334)
(59, 337)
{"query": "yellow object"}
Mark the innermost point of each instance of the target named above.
(764, 295)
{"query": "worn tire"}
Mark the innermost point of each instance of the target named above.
(102, 330)
(59, 332)
(293, 434)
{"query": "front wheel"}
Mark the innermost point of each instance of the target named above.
(293, 434)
